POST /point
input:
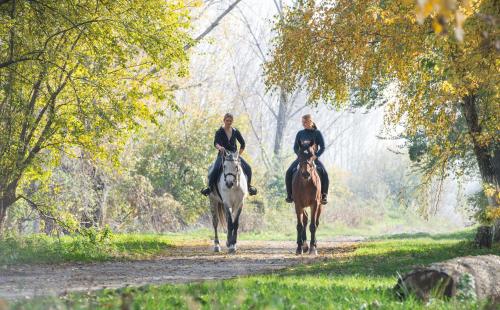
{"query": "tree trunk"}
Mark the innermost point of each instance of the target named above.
(36, 225)
(103, 205)
(3, 212)
(49, 226)
(469, 278)
(7, 198)
(281, 123)
(487, 156)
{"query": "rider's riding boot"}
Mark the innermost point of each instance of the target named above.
(252, 190)
(324, 199)
(206, 191)
(289, 198)
(288, 184)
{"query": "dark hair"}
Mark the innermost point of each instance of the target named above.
(314, 126)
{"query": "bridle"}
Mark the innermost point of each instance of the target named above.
(236, 176)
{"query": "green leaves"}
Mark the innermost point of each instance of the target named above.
(87, 74)
(175, 157)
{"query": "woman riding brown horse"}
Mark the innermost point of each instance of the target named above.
(306, 186)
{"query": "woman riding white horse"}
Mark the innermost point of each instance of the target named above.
(229, 182)
(225, 140)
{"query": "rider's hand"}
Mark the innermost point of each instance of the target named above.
(314, 157)
(222, 149)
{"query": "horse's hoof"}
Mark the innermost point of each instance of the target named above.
(232, 249)
(305, 248)
(298, 251)
(313, 251)
(217, 248)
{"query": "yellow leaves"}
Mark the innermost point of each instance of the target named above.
(444, 12)
(355, 45)
(446, 87)
(490, 191)
(492, 213)
(307, 16)
(427, 8)
(437, 25)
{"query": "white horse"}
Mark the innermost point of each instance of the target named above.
(226, 201)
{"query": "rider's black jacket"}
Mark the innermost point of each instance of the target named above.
(309, 136)
(229, 144)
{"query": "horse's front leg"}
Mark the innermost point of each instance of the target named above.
(312, 227)
(300, 228)
(305, 219)
(229, 225)
(216, 206)
(215, 223)
(236, 222)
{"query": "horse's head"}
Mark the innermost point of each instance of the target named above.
(231, 168)
(306, 164)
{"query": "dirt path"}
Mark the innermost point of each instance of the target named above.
(183, 264)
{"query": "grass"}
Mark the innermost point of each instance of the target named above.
(362, 279)
(40, 248)
(332, 232)
(279, 224)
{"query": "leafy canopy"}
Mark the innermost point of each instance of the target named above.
(349, 50)
(82, 74)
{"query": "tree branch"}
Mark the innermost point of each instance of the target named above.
(14, 61)
(279, 7)
(264, 154)
(268, 105)
(340, 134)
(213, 25)
(256, 42)
(43, 213)
(29, 112)
(45, 132)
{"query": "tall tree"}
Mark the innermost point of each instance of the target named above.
(351, 49)
(78, 74)
(287, 103)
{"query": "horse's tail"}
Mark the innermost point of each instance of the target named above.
(221, 214)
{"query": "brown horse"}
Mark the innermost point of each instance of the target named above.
(306, 191)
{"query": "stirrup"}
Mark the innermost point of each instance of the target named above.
(206, 191)
(252, 191)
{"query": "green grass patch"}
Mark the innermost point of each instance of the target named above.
(40, 248)
(362, 279)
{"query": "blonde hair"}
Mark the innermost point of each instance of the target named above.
(308, 117)
(228, 115)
